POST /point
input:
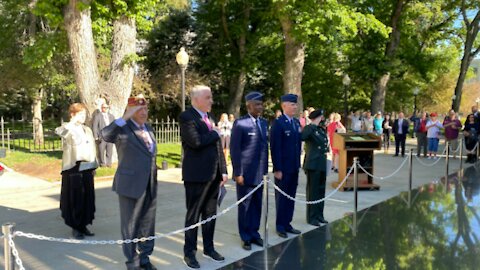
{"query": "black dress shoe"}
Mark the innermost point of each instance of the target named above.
(294, 231)
(322, 220)
(315, 223)
(258, 242)
(282, 234)
(247, 245)
(214, 256)
(148, 266)
(77, 234)
(191, 262)
(87, 232)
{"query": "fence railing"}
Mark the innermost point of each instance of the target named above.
(166, 131)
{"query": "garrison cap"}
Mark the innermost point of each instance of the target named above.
(316, 113)
(254, 95)
(289, 98)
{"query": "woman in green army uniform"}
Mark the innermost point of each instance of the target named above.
(315, 165)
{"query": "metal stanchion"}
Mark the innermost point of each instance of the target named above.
(8, 230)
(447, 160)
(265, 211)
(461, 154)
(410, 178)
(355, 192)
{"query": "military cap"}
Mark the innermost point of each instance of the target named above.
(138, 100)
(316, 113)
(254, 95)
(289, 98)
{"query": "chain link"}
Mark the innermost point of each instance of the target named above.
(317, 201)
(388, 176)
(18, 261)
(135, 240)
(431, 164)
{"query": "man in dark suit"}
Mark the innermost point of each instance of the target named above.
(100, 120)
(203, 170)
(135, 180)
(285, 146)
(249, 153)
(400, 131)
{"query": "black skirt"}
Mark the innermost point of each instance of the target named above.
(77, 198)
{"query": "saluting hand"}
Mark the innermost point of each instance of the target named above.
(278, 175)
(131, 111)
(239, 180)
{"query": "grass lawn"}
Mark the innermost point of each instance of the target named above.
(48, 165)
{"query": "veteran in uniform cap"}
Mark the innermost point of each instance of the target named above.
(315, 166)
(249, 153)
(135, 180)
(285, 146)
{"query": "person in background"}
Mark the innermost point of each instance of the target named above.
(433, 130)
(278, 113)
(332, 128)
(387, 131)
(225, 127)
(452, 127)
(356, 122)
(99, 121)
(285, 146)
(420, 129)
(231, 118)
(249, 149)
(315, 166)
(368, 122)
(135, 180)
(400, 131)
(77, 196)
(377, 124)
(471, 132)
(304, 120)
(204, 171)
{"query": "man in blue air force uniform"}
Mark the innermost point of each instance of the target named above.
(285, 145)
(249, 154)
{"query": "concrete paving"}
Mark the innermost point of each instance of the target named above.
(33, 205)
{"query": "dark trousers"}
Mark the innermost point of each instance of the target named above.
(201, 199)
(315, 191)
(386, 139)
(105, 153)
(285, 206)
(422, 143)
(249, 212)
(137, 218)
(400, 143)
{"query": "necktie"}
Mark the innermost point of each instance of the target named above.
(207, 122)
(145, 138)
(257, 123)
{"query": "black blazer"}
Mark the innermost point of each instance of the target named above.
(203, 155)
(405, 126)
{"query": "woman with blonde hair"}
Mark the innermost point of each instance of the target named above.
(77, 197)
(335, 127)
(225, 127)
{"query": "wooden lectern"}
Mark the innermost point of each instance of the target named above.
(359, 145)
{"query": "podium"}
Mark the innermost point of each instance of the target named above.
(359, 145)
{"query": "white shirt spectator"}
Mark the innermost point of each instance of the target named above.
(433, 131)
(356, 123)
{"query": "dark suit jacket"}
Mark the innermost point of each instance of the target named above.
(203, 155)
(316, 148)
(249, 149)
(285, 145)
(405, 126)
(98, 123)
(136, 165)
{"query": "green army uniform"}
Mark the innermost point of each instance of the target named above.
(315, 166)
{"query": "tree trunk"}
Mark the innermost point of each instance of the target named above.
(473, 28)
(237, 86)
(37, 118)
(78, 24)
(380, 86)
(120, 82)
(294, 61)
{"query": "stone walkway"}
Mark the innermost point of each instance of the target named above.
(33, 205)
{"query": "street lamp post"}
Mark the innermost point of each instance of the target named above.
(477, 101)
(453, 101)
(182, 61)
(415, 94)
(346, 82)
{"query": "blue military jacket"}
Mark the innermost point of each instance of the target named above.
(249, 149)
(316, 148)
(285, 145)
